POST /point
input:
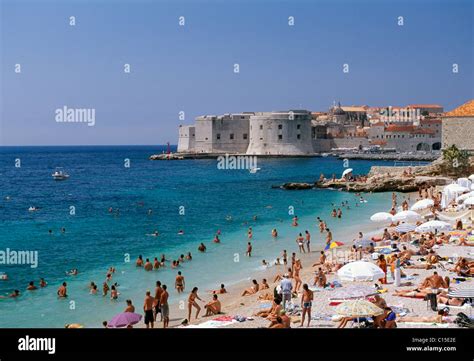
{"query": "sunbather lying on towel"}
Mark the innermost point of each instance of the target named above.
(441, 317)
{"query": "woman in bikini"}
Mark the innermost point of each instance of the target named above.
(252, 290)
(192, 303)
(296, 274)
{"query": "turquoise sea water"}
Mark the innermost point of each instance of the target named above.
(95, 239)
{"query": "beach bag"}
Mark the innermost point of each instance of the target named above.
(462, 320)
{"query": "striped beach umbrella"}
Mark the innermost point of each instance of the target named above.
(462, 290)
(358, 308)
(333, 244)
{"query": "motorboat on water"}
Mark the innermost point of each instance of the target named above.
(254, 170)
(60, 174)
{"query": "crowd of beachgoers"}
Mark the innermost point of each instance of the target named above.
(413, 269)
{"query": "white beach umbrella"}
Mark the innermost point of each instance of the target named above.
(405, 227)
(464, 196)
(471, 177)
(406, 216)
(455, 188)
(381, 217)
(347, 171)
(360, 271)
(433, 226)
(422, 204)
(464, 182)
(469, 201)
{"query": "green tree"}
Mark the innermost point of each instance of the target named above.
(456, 161)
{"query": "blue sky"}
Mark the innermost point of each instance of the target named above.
(190, 68)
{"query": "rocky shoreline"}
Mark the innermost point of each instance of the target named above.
(382, 179)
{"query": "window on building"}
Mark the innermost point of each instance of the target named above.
(245, 136)
(261, 138)
(231, 136)
(261, 126)
(218, 136)
(298, 136)
(280, 137)
(298, 126)
(280, 126)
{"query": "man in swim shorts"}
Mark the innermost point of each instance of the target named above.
(148, 309)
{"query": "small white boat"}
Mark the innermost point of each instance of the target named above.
(32, 209)
(59, 174)
(324, 155)
(254, 170)
(3, 276)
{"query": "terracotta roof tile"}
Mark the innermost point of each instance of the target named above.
(465, 110)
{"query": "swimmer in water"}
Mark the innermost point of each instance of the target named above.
(216, 239)
(139, 262)
(249, 250)
(181, 232)
(113, 293)
(42, 283)
(274, 233)
(14, 294)
(179, 283)
(189, 257)
(148, 266)
(295, 221)
(105, 289)
(62, 291)
(202, 247)
(249, 233)
(31, 286)
(156, 263)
